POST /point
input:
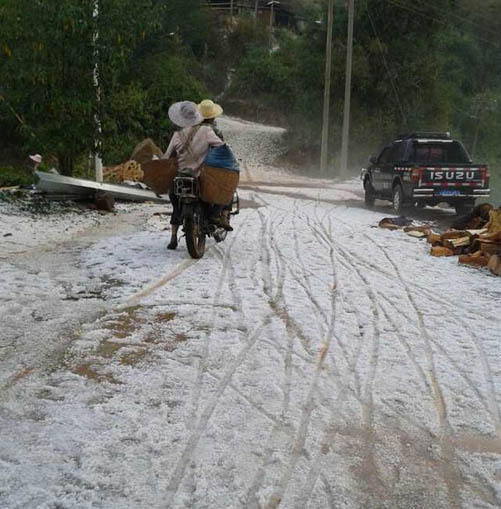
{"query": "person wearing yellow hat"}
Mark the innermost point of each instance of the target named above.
(210, 111)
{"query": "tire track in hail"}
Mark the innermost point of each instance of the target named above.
(323, 237)
(276, 303)
(452, 311)
(469, 382)
(452, 476)
(202, 363)
(493, 406)
(323, 240)
(201, 425)
(320, 235)
(329, 434)
(371, 469)
(487, 370)
(201, 369)
(308, 405)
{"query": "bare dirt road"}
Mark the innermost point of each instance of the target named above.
(310, 360)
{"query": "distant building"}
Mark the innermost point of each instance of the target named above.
(283, 13)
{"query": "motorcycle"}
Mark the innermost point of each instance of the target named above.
(196, 213)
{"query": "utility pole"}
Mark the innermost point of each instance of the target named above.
(98, 163)
(231, 11)
(347, 91)
(327, 90)
(256, 8)
(272, 19)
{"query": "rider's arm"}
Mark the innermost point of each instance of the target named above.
(212, 138)
(171, 149)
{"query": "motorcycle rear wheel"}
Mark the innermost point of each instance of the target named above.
(195, 236)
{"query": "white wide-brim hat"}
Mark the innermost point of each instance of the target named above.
(185, 114)
(209, 109)
(37, 158)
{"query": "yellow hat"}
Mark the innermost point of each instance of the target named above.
(209, 109)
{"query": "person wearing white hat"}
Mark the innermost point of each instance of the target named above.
(37, 160)
(190, 145)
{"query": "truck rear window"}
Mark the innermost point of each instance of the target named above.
(438, 153)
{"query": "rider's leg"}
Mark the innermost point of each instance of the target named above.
(175, 221)
(215, 214)
(173, 236)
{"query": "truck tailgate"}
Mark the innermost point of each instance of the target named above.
(453, 177)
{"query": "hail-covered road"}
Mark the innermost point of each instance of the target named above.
(310, 360)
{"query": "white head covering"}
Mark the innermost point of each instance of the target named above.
(37, 158)
(185, 114)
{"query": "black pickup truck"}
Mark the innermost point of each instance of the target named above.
(425, 169)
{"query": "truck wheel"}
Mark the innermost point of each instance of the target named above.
(370, 196)
(397, 199)
(464, 207)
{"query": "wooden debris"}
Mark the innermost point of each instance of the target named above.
(434, 239)
(389, 226)
(422, 228)
(417, 234)
(394, 223)
(494, 265)
(131, 170)
(490, 247)
(477, 241)
(105, 202)
(454, 234)
(477, 259)
(441, 251)
(494, 224)
(146, 151)
(457, 242)
(477, 218)
(495, 237)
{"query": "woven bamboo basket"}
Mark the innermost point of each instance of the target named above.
(218, 185)
(159, 174)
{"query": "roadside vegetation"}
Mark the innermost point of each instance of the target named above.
(418, 65)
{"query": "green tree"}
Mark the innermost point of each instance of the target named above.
(47, 68)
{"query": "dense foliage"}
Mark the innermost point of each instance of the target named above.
(49, 51)
(418, 64)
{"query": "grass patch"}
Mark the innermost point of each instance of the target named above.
(10, 176)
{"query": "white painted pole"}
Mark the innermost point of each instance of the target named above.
(327, 90)
(98, 163)
(347, 91)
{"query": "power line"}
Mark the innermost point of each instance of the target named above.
(380, 46)
(415, 10)
(457, 16)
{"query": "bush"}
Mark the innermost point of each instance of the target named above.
(10, 176)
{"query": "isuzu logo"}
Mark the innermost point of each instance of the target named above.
(452, 175)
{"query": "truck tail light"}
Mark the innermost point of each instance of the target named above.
(486, 174)
(416, 174)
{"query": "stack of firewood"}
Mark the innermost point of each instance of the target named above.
(479, 247)
(131, 170)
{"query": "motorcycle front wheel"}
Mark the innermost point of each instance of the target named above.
(195, 235)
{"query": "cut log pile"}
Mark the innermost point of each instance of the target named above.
(131, 170)
(478, 244)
